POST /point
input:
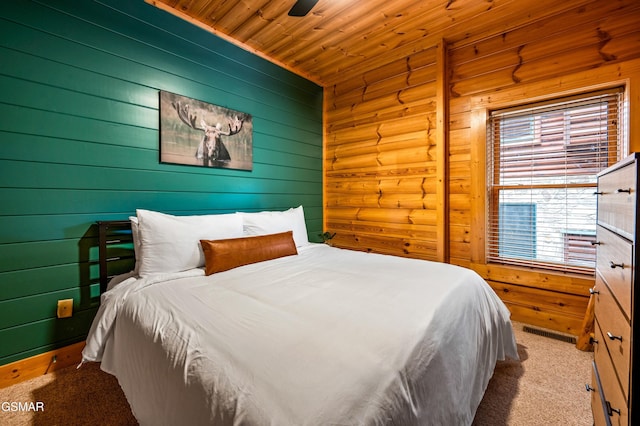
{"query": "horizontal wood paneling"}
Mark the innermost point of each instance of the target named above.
(40, 336)
(42, 306)
(79, 143)
(64, 201)
(40, 280)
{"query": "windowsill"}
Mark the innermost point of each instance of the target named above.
(565, 282)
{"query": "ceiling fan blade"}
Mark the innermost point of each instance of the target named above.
(302, 7)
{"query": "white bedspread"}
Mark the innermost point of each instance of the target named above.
(328, 337)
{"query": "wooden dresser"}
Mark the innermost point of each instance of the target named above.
(615, 375)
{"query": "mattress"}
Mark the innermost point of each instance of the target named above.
(325, 337)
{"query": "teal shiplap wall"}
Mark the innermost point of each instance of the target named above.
(79, 85)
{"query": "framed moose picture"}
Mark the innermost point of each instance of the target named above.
(197, 133)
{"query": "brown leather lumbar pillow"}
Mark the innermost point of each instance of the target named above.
(222, 255)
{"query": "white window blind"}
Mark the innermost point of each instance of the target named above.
(543, 162)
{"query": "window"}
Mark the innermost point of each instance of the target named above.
(543, 164)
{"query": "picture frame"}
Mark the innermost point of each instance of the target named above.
(198, 133)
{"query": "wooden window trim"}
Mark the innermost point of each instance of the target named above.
(626, 74)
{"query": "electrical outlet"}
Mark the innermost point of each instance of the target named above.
(65, 308)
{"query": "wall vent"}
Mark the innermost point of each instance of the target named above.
(550, 334)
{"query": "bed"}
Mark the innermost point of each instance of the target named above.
(322, 336)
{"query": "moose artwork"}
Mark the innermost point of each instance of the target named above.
(197, 133)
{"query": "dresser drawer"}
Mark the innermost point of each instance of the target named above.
(598, 404)
(613, 334)
(615, 404)
(614, 262)
(617, 199)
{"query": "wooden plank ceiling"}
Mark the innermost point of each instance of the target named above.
(346, 37)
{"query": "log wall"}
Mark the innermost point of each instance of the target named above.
(381, 158)
(383, 178)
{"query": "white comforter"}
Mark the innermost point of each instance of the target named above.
(327, 337)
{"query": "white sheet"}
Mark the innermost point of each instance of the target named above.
(328, 337)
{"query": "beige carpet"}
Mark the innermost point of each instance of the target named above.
(546, 387)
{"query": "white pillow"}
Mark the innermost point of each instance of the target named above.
(172, 243)
(273, 222)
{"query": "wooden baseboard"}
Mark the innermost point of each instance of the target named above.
(38, 365)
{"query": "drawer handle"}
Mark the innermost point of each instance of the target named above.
(589, 388)
(611, 410)
(598, 193)
(594, 291)
(595, 243)
(613, 336)
(628, 190)
(616, 265)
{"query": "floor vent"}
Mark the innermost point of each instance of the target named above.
(550, 334)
